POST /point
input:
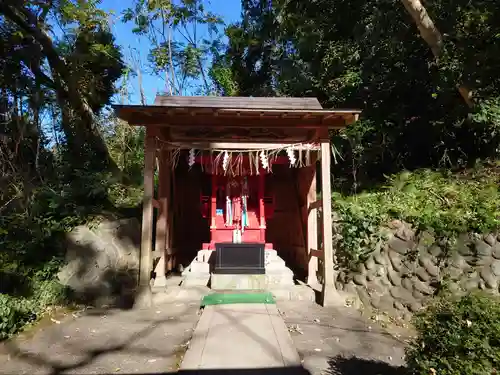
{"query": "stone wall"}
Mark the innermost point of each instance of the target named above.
(400, 276)
(102, 261)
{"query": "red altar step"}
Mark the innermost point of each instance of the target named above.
(222, 233)
(211, 245)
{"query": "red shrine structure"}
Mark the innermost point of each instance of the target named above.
(237, 177)
(239, 204)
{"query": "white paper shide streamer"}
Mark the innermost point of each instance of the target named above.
(263, 160)
(225, 161)
(191, 158)
(291, 156)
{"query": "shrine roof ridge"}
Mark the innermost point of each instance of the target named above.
(238, 102)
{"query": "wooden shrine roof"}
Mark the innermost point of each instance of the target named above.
(237, 102)
(235, 112)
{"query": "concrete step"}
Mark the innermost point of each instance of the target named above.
(180, 294)
(294, 293)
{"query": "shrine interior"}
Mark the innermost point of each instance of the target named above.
(285, 205)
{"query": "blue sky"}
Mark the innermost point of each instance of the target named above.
(229, 10)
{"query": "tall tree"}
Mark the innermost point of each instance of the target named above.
(81, 68)
(183, 36)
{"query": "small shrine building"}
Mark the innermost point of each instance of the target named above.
(236, 177)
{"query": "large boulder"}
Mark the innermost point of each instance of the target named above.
(102, 261)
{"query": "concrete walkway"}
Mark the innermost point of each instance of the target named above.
(241, 336)
(227, 340)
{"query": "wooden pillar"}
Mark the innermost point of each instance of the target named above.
(312, 229)
(262, 213)
(162, 224)
(329, 295)
(213, 210)
(168, 217)
(144, 296)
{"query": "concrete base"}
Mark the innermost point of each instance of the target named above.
(295, 293)
(277, 275)
(196, 280)
(180, 294)
(238, 282)
(197, 274)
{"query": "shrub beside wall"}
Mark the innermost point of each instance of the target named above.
(457, 337)
(401, 244)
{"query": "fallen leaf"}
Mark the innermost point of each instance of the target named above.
(55, 321)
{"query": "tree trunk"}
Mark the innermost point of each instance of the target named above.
(428, 30)
(66, 88)
(432, 36)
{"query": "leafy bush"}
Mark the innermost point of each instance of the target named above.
(15, 313)
(457, 337)
(446, 204)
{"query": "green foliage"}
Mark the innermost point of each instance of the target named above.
(17, 312)
(14, 314)
(444, 203)
(457, 337)
(33, 245)
(224, 82)
(413, 116)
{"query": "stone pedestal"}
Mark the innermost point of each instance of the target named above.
(277, 276)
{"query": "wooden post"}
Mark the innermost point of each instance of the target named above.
(213, 211)
(262, 212)
(162, 222)
(168, 216)
(329, 295)
(312, 230)
(144, 295)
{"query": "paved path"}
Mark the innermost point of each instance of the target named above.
(241, 336)
(241, 339)
(105, 342)
(339, 340)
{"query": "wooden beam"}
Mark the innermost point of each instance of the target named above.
(144, 297)
(234, 121)
(312, 229)
(316, 204)
(156, 204)
(240, 146)
(315, 253)
(269, 142)
(329, 295)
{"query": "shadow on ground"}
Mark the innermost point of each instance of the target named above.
(360, 366)
(340, 366)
